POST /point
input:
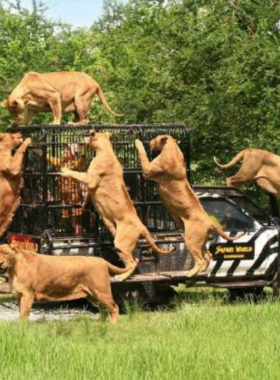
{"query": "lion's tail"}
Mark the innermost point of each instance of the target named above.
(152, 243)
(237, 158)
(225, 236)
(103, 99)
(116, 270)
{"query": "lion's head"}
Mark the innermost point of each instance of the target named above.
(7, 257)
(10, 141)
(99, 140)
(16, 108)
(158, 143)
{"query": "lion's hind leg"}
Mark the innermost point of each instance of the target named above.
(247, 173)
(265, 184)
(106, 305)
(199, 262)
(82, 104)
(195, 240)
(237, 180)
(75, 120)
(125, 242)
(208, 256)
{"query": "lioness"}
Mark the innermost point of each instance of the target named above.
(35, 277)
(258, 165)
(11, 180)
(110, 197)
(169, 172)
(67, 91)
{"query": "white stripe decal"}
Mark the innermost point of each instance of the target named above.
(244, 265)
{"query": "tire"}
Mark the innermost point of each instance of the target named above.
(147, 294)
(254, 294)
(163, 295)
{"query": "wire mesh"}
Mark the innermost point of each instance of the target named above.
(51, 202)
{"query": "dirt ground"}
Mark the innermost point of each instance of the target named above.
(43, 311)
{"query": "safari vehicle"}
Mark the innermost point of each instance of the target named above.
(45, 223)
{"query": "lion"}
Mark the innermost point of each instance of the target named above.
(108, 193)
(37, 277)
(168, 170)
(258, 165)
(68, 91)
(11, 181)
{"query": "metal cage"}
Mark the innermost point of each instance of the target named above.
(45, 204)
(51, 209)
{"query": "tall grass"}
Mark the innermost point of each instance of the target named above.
(208, 339)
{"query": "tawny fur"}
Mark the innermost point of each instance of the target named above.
(169, 172)
(11, 180)
(57, 92)
(258, 165)
(107, 190)
(36, 277)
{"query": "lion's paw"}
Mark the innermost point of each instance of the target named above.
(119, 278)
(139, 144)
(28, 141)
(65, 172)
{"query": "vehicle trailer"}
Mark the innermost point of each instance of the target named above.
(46, 224)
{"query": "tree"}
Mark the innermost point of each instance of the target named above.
(211, 64)
(30, 42)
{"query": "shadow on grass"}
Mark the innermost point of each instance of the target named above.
(202, 295)
(134, 304)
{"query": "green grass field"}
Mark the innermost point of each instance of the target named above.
(203, 337)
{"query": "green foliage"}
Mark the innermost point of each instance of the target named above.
(30, 42)
(213, 65)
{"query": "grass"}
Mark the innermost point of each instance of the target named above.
(203, 337)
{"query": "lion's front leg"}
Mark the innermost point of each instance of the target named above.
(145, 163)
(89, 180)
(149, 168)
(78, 176)
(26, 302)
(29, 115)
(55, 104)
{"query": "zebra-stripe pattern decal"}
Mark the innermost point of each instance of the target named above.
(264, 239)
(265, 243)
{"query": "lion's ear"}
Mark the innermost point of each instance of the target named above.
(17, 104)
(109, 135)
(163, 139)
(4, 103)
(2, 135)
(92, 133)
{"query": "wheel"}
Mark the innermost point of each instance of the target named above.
(276, 285)
(146, 294)
(156, 294)
(254, 293)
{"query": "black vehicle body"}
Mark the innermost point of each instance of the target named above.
(249, 262)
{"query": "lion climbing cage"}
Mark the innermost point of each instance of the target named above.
(51, 206)
(51, 219)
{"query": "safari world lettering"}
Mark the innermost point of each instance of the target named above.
(244, 251)
(24, 242)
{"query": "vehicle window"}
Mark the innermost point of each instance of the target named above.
(228, 214)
